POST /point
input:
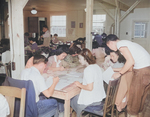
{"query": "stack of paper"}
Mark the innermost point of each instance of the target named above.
(107, 74)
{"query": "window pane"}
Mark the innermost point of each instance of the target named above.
(58, 25)
(98, 23)
(140, 29)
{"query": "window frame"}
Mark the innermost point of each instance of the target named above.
(145, 30)
(60, 26)
(103, 22)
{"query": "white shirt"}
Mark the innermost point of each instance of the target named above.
(140, 55)
(57, 62)
(4, 107)
(6, 57)
(46, 34)
(34, 75)
(92, 74)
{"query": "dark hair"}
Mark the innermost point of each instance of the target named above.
(32, 39)
(104, 35)
(121, 58)
(46, 50)
(37, 52)
(111, 37)
(5, 41)
(79, 41)
(39, 58)
(86, 53)
(5, 44)
(55, 34)
(45, 26)
(62, 48)
(95, 45)
(26, 34)
(74, 49)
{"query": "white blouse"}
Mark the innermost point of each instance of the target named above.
(92, 74)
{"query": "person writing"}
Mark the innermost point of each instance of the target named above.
(138, 58)
(34, 74)
(54, 62)
(92, 89)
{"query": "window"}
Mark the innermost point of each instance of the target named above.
(98, 23)
(140, 29)
(58, 25)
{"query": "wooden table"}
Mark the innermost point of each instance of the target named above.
(66, 94)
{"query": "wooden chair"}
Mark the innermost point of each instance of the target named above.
(10, 94)
(108, 106)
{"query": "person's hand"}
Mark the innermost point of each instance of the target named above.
(61, 68)
(56, 80)
(77, 83)
(116, 75)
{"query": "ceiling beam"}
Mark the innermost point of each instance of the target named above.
(130, 9)
(106, 10)
(122, 5)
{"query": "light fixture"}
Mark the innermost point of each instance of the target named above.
(34, 11)
(85, 9)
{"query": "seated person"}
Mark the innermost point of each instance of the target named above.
(54, 62)
(55, 39)
(98, 52)
(6, 51)
(42, 51)
(92, 90)
(33, 47)
(34, 74)
(71, 60)
(26, 40)
(117, 59)
(107, 63)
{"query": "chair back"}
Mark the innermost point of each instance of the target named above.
(111, 96)
(10, 94)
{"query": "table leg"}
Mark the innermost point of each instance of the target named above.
(67, 108)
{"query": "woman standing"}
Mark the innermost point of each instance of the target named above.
(138, 58)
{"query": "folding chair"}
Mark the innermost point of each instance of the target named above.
(108, 107)
(10, 94)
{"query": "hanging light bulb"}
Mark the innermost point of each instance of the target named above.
(34, 11)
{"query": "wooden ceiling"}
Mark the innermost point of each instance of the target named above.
(67, 5)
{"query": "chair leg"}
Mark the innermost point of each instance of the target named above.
(117, 113)
(125, 113)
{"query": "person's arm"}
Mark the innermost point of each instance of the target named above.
(129, 62)
(88, 87)
(117, 69)
(49, 92)
(56, 68)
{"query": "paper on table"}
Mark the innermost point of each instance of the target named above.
(63, 81)
(107, 75)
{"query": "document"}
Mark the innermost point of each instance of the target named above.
(64, 80)
(107, 74)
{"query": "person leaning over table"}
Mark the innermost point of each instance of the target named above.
(54, 62)
(42, 51)
(71, 60)
(138, 58)
(92, 89)
(34, 74)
